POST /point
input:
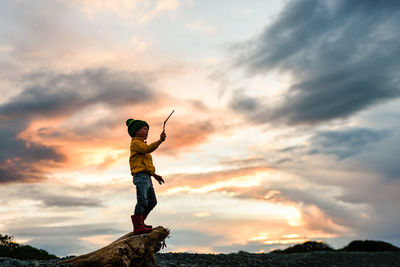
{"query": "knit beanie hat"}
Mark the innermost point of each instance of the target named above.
(134, 126)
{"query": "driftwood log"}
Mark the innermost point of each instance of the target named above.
(128, 250)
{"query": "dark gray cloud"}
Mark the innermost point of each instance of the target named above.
(361, 149)
(344, 143)
(382, 158)
(18, 157)
(50, 196)
(243, 103)
(69, 201)
(343, 56)
(49, 94)
(12, 146)
(15, 172)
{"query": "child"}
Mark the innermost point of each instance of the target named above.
(142, 169)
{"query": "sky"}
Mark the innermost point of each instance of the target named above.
(286, 123)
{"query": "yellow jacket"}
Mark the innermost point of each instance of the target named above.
(140, 158)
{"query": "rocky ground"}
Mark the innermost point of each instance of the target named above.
(7, 262)
(299, 259)
(249, 259)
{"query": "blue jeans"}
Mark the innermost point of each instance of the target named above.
(145, 194)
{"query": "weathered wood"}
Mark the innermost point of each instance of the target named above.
(128, 250)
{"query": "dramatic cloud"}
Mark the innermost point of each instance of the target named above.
(344, 143)
(47, 195)
(68, 201)
(357, 149)
(54, 94)
(319, 210)
(19, 158)
(57, 95)
(290, 144)
(382, 157)
(343, 56)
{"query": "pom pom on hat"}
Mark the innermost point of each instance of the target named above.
(129, 121)
(134, 126)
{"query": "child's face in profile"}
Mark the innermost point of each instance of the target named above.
(143, 132)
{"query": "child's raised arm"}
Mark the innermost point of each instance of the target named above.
(145, 148)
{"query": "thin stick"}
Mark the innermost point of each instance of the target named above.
(167, 120)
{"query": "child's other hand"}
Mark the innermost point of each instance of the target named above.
(163, 136)
(159, 178)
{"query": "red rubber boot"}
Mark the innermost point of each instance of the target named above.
(144, 218)
(138, 225)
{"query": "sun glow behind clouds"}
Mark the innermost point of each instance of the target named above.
(243, 181)
(202, 214)
(99, 240)
(285, 239)
(243, 220)
(239, 209)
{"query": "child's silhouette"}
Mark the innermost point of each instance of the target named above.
(142, 169)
